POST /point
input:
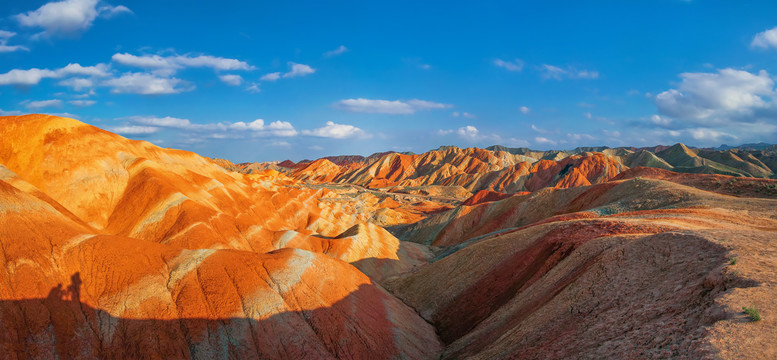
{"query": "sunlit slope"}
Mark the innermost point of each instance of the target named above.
(68, 292)
(136, 189)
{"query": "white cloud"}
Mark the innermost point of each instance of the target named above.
(256, 128)
(339, 51)
(214, 62)
(67, 17)
(516, 65)
(717, 98)
(108, 11)
(538, 129)
(166, 121)
(254, 88)
(660, 120)
(134, 130)
(271, 76)
(145, 61)
(231, 79)
(99, 70)
(464, 115)
(78, 84)
(147, 84)
(281, 128)
(9, 113)
(766, 39)
(544, 140)
(255, 125)
(524, 110)
(34, 76)
(35, 105)
(4, 47)
(25, 77)
(579, 137)
(279, 143)
(336, 131)
(709, 134)
(471, 134)
(396, 107)
(468, 132)
(516, 142)
(299, 70)
(170, 64)
(558, 73)
(82, 103)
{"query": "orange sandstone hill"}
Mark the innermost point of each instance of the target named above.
(114, 248)
(511, 170)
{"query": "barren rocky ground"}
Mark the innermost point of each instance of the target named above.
(118, 248)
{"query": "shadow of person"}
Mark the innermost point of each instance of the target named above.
(74, 289)
(56, 293)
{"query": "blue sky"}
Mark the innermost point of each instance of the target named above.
(260, 81)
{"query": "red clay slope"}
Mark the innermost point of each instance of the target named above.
(472, 168)
(118, 248)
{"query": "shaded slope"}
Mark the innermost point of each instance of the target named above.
(628, 275)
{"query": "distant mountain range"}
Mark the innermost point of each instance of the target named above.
(506, 169)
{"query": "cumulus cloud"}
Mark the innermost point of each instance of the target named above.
(580, 137)
(336, 131)
(766, 39)
(339, 51)
(256, 128)
(271, 76)
(33, 76)
(281, 128)
(134, 130)
(275, 128)
(173, 63)
(35, 105)
(468, 132)
(166, 121)
(544, 140)
(4, 47)
(231, 79)
(708, 109)
(68, 17)
(395, 107)
(660, 120)
(472, 134)
(516, 65)
(82, 103)
(78, 84)
(558, 73)
(25, 77)
(299, 70)
(464, 115)
(717, 98)
(9, 113)
(524, 110)
(147, 84)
